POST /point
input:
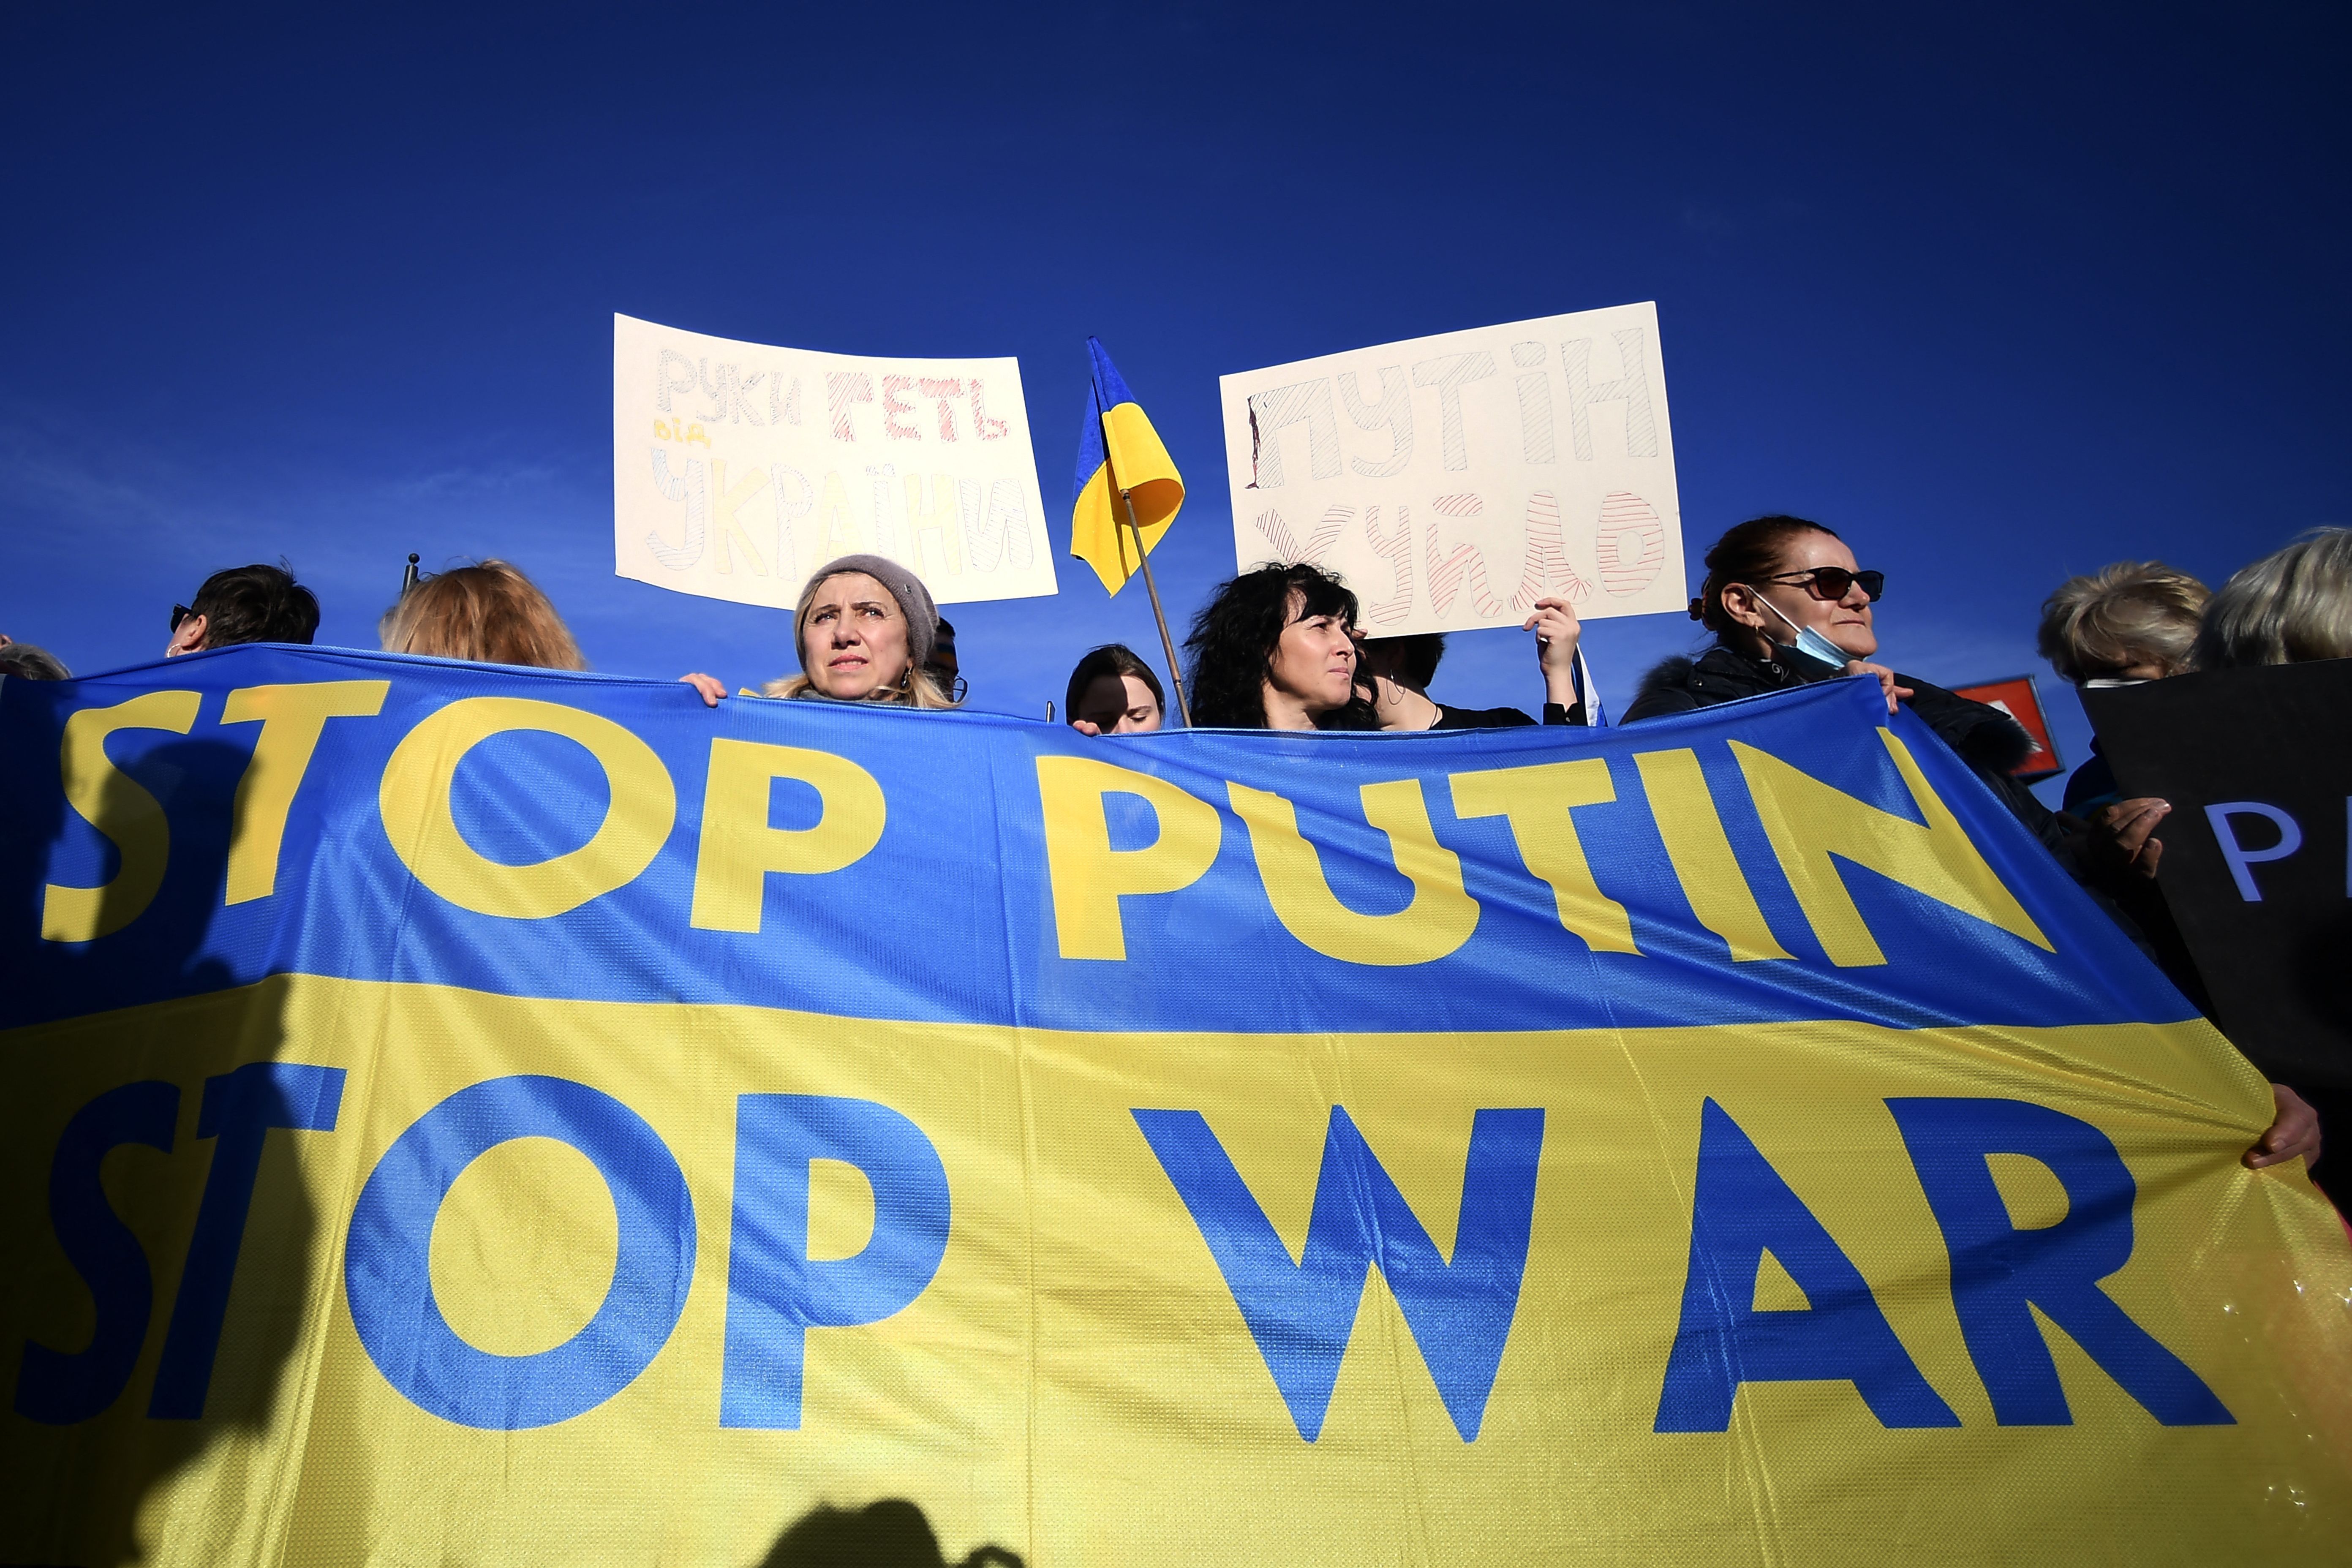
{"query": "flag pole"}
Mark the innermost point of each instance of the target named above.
(1167, 643)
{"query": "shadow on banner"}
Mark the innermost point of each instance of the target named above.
(164, 1245)
(892, 1533)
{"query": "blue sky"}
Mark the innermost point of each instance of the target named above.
(2001, 295)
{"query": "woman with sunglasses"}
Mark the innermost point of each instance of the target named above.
(1788, 606)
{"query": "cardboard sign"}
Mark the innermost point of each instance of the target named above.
(2258, 767)
(2018, 698)
(738, 468)
(1454, 480)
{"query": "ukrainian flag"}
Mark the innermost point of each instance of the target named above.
(1689, 1173)
(1118, 450)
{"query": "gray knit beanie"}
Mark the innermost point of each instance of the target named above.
(914, 603)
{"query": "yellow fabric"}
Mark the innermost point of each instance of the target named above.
(1137, 461)
(1076, 1383)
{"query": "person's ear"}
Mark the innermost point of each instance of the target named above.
(1740, 603)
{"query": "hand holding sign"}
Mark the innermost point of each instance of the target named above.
(2254, 765)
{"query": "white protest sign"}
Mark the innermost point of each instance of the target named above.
(738, 468)
(1454, 480)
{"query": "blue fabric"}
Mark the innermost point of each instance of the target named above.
(1105, 390)
(950, 916)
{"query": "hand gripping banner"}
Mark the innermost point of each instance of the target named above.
(480, 1115)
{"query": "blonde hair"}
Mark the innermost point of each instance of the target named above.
(2134, 612)
(488, 613)
(916, 688)
(2290, 606)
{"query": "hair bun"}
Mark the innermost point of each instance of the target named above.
(1698, 609)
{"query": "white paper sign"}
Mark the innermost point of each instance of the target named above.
(738, 468)
(1454, 480)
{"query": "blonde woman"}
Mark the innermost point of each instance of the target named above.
(865, 630)
(2127, 623)
(488, 613)
(2130, 622)
(2291, 606)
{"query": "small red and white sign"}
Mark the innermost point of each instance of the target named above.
(2017, 698)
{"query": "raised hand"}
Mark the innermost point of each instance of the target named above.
(1558, 632)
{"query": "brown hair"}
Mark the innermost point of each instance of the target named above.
(1747, 552)
(488, 613)
(1111, 658)
(2134, 612)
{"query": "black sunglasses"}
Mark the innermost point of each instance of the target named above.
(1831, 583)
(180, 613)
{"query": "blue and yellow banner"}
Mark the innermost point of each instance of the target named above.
(480, 1115)
(1124, 472)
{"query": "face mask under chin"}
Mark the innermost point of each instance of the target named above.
(1811, 644)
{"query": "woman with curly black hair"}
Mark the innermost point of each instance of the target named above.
(1276, 650)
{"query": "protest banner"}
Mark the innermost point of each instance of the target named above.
(2019, 698)
(1454, 480)
(477, 1114)
(2257, 764)
(738, 468)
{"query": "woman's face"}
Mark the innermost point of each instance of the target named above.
(855, 641)
(1119, 705)
(1314, 661)
(1845, 621)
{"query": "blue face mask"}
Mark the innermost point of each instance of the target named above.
(1811, 642)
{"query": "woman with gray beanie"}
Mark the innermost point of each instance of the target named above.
(864, 629)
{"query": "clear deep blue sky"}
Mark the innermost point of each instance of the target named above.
(2001, 295)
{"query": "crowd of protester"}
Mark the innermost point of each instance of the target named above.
(1283, 647)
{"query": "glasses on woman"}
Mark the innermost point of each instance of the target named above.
(1831, 583)
(180, 613)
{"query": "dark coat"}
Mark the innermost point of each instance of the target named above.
(1503, 718)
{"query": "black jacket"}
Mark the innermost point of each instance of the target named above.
(1358, 715)
(1684, 685)
(1503, 718)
